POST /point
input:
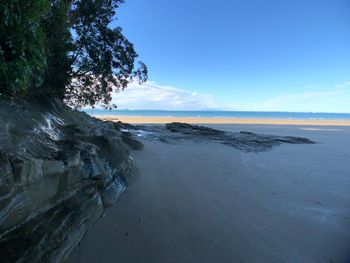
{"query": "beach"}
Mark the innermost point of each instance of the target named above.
(208, 202)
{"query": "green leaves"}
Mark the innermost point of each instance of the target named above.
(22, 56)
(104, 59)
(66, 49)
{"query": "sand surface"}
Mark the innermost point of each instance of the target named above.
(155, 120)
(206, 202)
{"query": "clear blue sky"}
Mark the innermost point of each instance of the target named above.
(245, 54)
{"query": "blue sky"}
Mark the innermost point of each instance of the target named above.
(289, 55)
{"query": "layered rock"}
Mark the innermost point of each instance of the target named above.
(59, 170)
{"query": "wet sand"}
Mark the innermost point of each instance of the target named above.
(206, 202)
(198, 120)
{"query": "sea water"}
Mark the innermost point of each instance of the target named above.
(222, 114)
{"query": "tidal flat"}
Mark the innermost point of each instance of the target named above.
(204, 201)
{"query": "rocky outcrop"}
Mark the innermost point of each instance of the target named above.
(244, 141)
(59, 170)
(194, 130)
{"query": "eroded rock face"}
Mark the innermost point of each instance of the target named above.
(59, 169)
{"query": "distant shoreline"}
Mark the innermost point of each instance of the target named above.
(222, 120)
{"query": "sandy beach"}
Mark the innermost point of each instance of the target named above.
(207, 202)
(201, 120)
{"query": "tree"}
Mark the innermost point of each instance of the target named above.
(83, 58)
(103, 59)
(59, 46)
(22, 47)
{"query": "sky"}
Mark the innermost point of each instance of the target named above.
(271, 55)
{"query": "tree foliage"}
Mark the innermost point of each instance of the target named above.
(59, 45)
(71, 50)
(22, 47)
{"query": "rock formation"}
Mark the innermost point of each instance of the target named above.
(244, 141)
(59, 169)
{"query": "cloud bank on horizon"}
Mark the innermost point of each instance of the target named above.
(152, 96)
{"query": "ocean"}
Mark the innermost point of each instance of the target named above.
(223, 114)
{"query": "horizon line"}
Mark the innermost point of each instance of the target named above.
(222, 110)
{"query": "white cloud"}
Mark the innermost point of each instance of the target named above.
(343, 85)
(333, 99)
(153, 96)
(314, 98)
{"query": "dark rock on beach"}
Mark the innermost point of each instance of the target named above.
(59, 170)
(243, 140)
(131, 141)
(193, 129)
